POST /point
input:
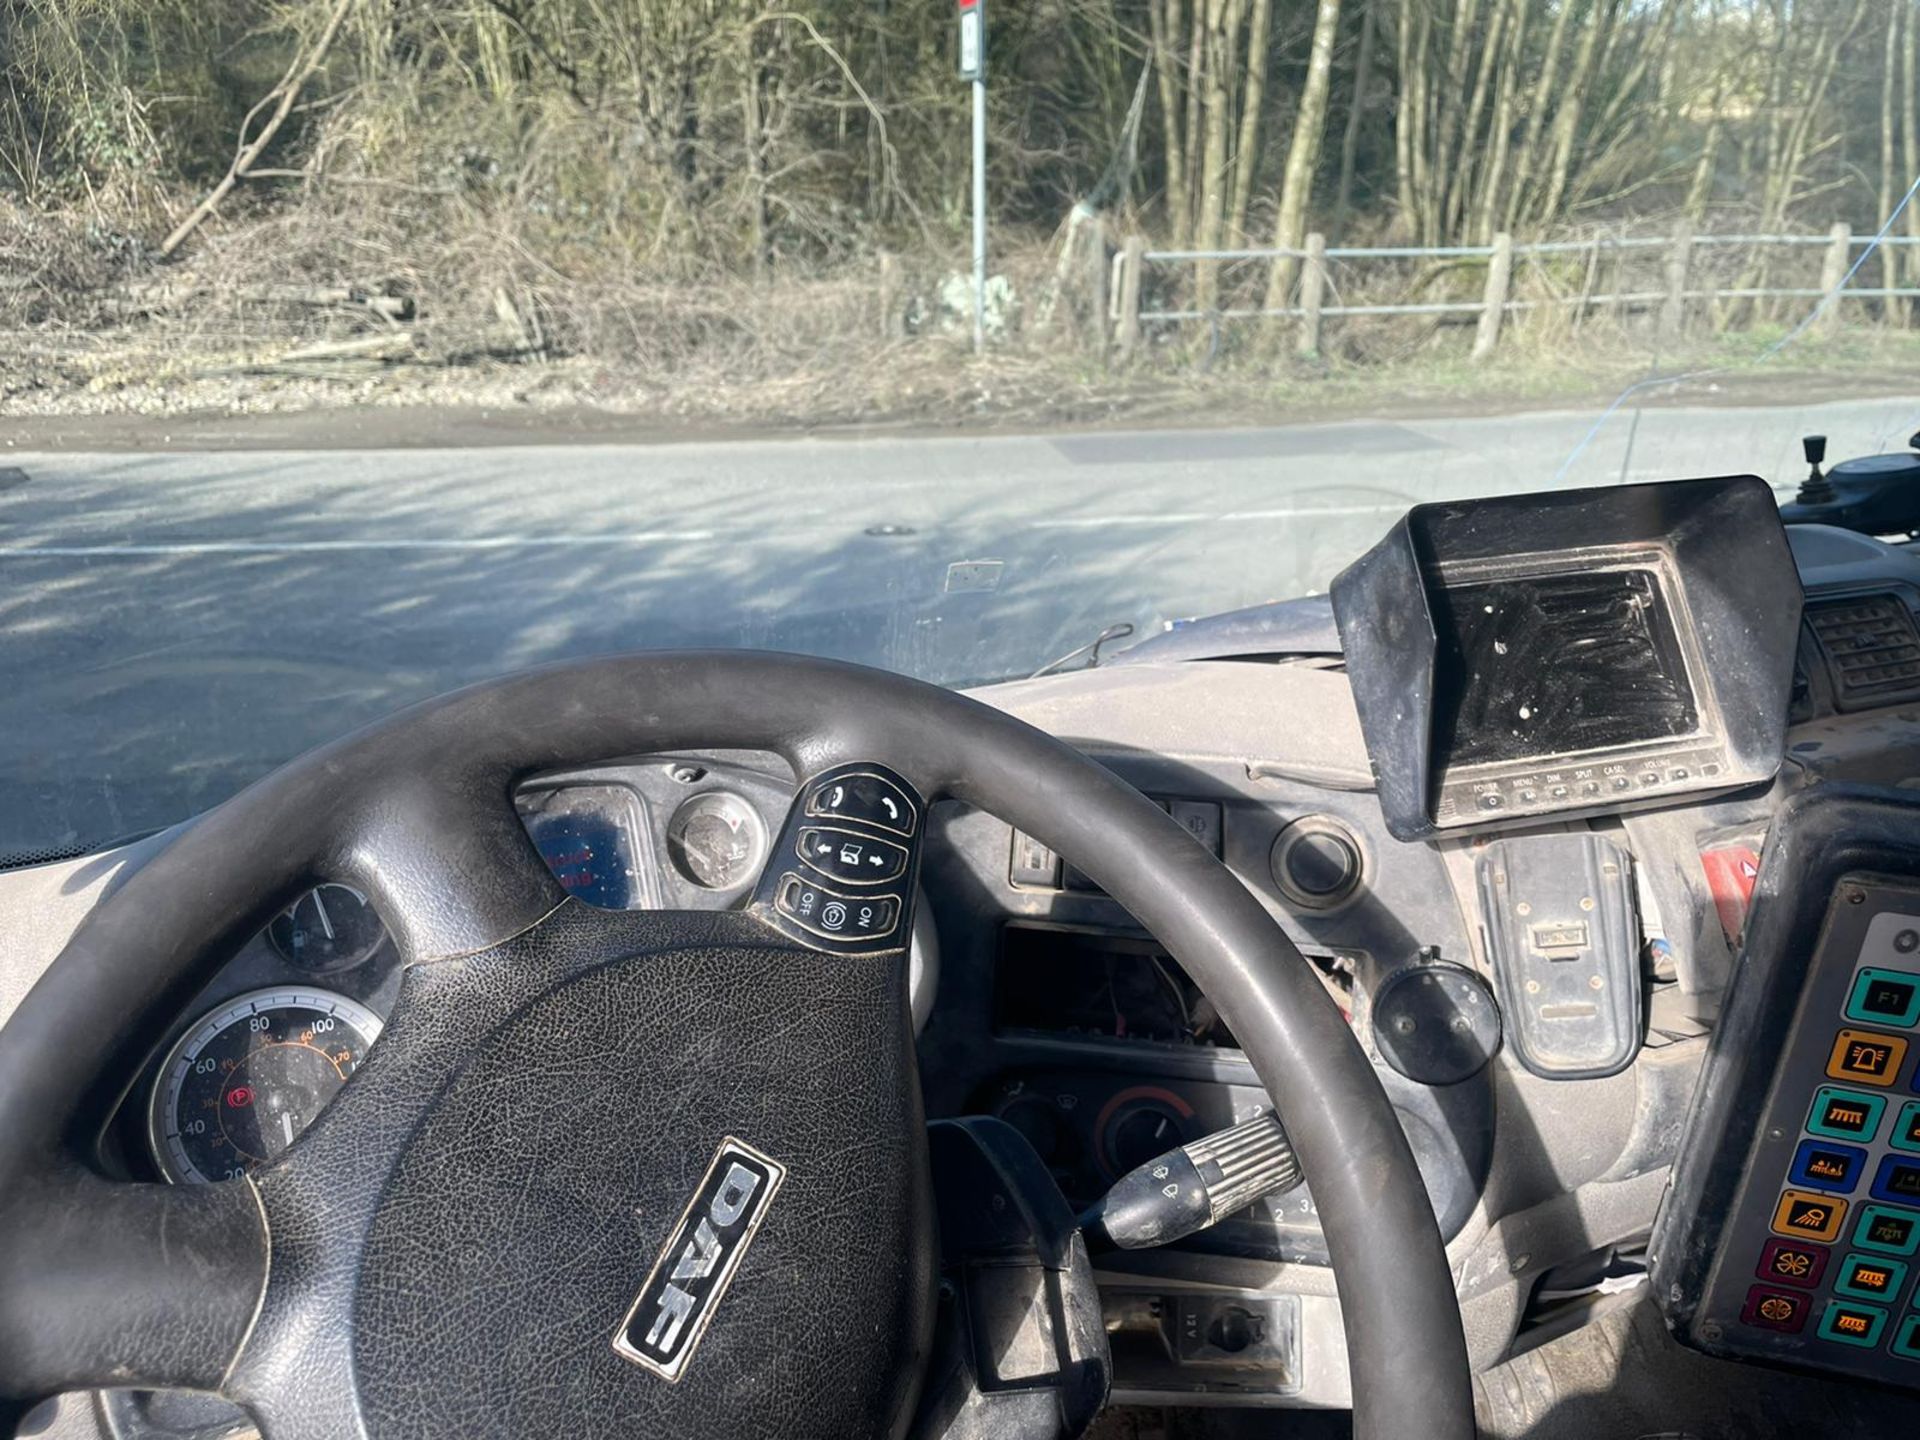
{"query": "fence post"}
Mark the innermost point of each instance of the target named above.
(1673, 310)
(1313, 291)
(1097, 271)
(1833, 270)
(1136, 259)
(1493, 308)
(893, 315)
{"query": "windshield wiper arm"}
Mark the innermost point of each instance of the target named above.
(1091, 649)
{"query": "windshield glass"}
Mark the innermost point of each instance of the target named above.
(358, 351)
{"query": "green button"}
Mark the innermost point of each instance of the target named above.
(1870, 1277)
(1906, 1340)
(1841, 1114)
(1906, 1129)
(1887, 1229)
(1884, 997)
(1851, 1323)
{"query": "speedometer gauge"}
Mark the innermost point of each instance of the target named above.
(246, 1079)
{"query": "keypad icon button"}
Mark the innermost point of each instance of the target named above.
(1804, 1216)
(1771, 1309)
(1897, 1179)
(1845, 1114)
(1851, 1323)
(1866, 1056)
(1823, 1165)
(1870, 1277)
(1906, 1339)
(1786, 1262)
(1884, 997)
(1906, 1128)
(1887, 1229)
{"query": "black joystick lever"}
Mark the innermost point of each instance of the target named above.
(1195, 1186)
(1816, 489)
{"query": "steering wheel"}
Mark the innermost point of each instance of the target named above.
(469, 1241)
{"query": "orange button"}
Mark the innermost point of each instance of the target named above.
(1866, 1056)
(1808, 1216)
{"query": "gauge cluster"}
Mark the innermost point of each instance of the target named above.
(238, 1087)
(296, 1010)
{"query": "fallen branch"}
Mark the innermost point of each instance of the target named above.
(396, 346)
(286, 92)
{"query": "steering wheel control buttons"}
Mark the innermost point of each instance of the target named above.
(835, 916)
(850, 856)
(849, 862)
(863, 796)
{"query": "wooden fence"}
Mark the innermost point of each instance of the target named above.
(1675, 299)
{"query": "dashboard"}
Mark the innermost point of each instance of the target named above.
(1040, 1000)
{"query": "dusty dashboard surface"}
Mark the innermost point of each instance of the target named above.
(1056, 1012)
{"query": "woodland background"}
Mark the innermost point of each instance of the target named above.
(688, 192)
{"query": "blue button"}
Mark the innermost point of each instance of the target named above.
(1897, 1179)
(1823, 1165)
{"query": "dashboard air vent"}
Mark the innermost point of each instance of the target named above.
(1871, 647)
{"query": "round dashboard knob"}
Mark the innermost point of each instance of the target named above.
(1317, 863)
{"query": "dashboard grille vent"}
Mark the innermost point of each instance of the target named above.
(1872, 649)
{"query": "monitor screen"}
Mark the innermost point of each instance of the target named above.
(1552, 665)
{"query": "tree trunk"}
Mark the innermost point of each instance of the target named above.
(1422, 120)
(1700, 189)
(1889, 266)
(1471, 155)
(1213, 164)
(1196, 56)
(1493, 175)
(1527, 160)
(1164, 18)
(1566, 120)
(1252, 100)
(1405, 101)
(1910, 138)
(1303, 151)
(1356, 108)
(1466, 15)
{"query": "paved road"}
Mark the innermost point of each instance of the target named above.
(173, 625)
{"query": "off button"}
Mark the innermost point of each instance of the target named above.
(835, 916)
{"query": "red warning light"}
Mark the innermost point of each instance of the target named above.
(240, 1097)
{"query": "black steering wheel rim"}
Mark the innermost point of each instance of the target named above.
(416, 810)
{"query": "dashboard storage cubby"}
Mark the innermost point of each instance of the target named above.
(1791, 1228)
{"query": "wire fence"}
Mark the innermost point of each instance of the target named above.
(1725, 278)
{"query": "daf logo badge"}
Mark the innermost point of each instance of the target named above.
(675, 1306)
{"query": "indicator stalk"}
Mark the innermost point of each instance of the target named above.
(1197, 1185)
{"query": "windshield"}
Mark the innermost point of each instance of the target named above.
(358, 351)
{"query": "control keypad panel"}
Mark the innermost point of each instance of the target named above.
(842, 873)
(1819, 1264)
